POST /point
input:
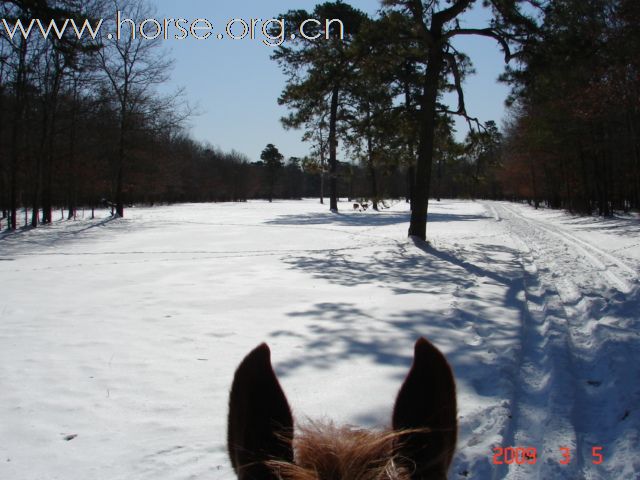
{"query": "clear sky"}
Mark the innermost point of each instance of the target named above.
(235, 86)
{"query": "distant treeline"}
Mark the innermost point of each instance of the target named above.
(82, 125)
(82, 120)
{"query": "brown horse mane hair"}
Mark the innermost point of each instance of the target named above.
(325, 451)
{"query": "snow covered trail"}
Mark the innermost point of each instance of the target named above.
(579, 380)
(119, 338)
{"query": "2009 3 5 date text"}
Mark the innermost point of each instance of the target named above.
(529, 455)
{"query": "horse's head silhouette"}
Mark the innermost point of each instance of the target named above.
(419, 445)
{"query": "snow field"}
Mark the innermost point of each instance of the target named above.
(119, 338)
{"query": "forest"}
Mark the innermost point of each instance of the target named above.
(82, 123)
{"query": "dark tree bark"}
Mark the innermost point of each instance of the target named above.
(119, 201)
(333, 147)
(371, 164)
(3, 178)
(534, 184)
(427, 119)
(434, 30)
(16, 131)
(72, 184)
(47, 193)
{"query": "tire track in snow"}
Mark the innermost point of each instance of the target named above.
(570, 386)
(600, 259)
(494, 212)
(544, 396)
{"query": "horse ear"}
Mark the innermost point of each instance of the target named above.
(426, 410)
(260, 425)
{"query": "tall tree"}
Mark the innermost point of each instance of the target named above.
(20, 84)
(374, 122)
(4, 70)
(317, 134)
(38, 65)
(133, 67)
(318, 70)
(272, 159)
(482, 151)
(435, 24)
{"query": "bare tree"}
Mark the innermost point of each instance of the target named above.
(19, 73)
(317, 133)
(4, 56)
(133, 66)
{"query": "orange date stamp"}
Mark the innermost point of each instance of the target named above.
(529, 455)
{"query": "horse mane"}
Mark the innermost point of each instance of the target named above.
(325, 451)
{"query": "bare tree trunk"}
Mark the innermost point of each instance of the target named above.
(411, 173)
(374, 185)
(16, 132)
(351, 183)
(422, 181)
(3, 179)
(370, 161)
(439, 179)
(333, 147)
(372, 173)
(534, 184)
(37, 184)
(47, 194)
(410, 144)
(43, 189)
(119, 201)
(322, 164)
(71, 176)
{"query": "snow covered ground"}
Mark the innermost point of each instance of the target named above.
(119, 338)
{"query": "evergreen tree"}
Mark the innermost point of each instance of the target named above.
(318, 71)
(272, 159)
(574, 140)
(434, 25)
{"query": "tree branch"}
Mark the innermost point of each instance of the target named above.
(471, 121)
(453, 63)
(462, 109)
(448, 14)
(485, 32)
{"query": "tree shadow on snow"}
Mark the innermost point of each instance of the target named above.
(461, 317)
(621, 226)
(33, 240)
(343, 331)
(364, 219)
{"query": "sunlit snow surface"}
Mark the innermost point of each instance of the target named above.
(119, 338)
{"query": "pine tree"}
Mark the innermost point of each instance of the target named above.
(272, 159)
(434, 24)
(318, 71)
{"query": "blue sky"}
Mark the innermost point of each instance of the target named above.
(234, 85)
